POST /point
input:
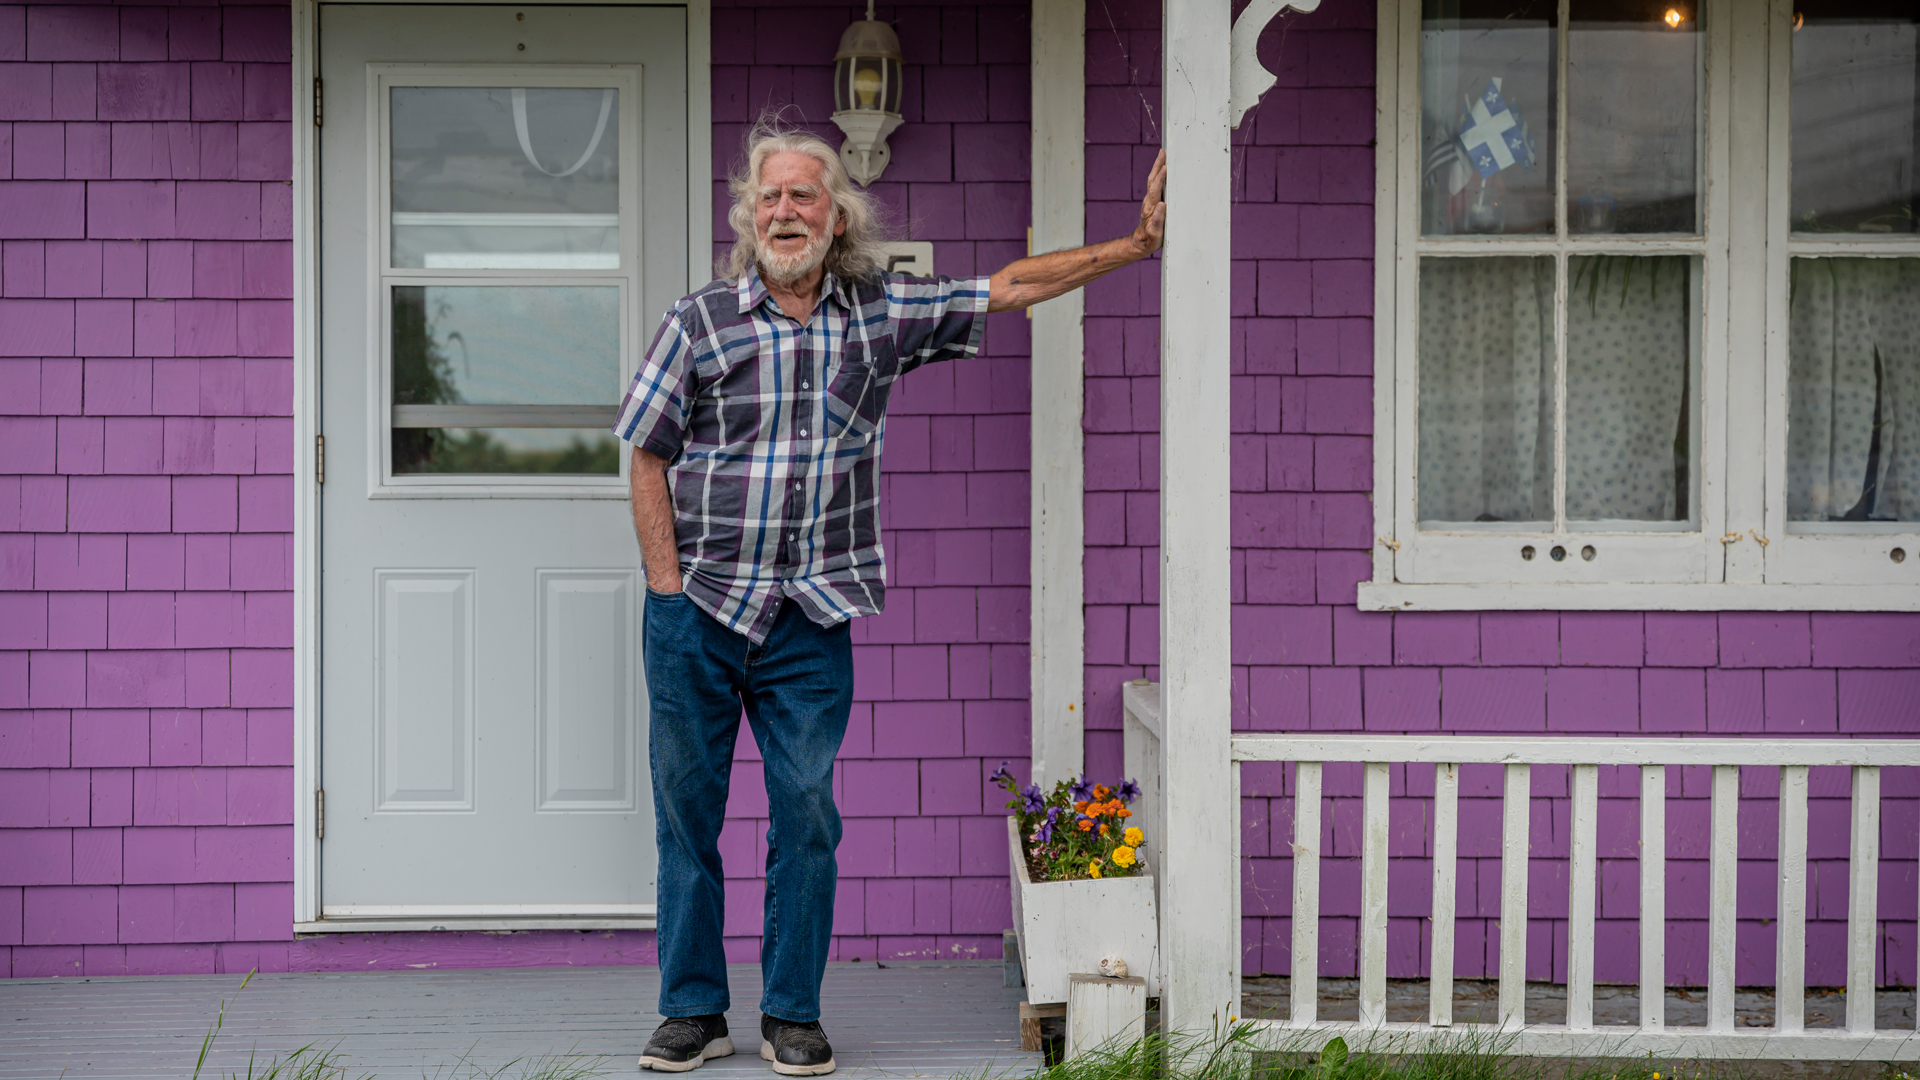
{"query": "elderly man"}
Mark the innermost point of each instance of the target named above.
(757, 419)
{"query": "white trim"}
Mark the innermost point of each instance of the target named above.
(1555, 1040)
(1396, 596)
(1393, 138)
(307, 778)
(306, 493)
(515, 923)
(699, 145)
(1199, 941)
(1561, 750)
(1057, 500)
(486, 911)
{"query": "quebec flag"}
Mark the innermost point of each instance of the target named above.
(1493, 135)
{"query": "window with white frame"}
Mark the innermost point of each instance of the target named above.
(1654, 295)
(506, 277)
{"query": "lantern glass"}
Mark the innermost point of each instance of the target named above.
(867, 83)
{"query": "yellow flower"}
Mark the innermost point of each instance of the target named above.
(1133, 836)
(1093, 868)
(1103, 828)
(1123, 856)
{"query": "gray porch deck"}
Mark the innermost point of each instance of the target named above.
(904, 1020)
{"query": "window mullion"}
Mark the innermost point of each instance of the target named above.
(1561, 289)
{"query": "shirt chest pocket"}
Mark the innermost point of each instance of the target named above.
(857, 389)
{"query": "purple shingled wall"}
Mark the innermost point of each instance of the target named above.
(146, 502)
(1305, 658)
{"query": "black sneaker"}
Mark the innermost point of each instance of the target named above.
(795, 1049)
(684, 1042)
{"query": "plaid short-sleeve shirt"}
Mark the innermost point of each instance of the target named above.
(774, 431)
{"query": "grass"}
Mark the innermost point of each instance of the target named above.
(314, 1062)
(1245, 1053)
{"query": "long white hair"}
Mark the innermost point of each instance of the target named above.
(854, 254)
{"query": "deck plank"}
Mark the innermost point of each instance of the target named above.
(904, 1020)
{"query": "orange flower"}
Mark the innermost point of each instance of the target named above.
(1103, 828)
(1081, 806)
(1101, 791)
(1086, 825)
(1125, 813)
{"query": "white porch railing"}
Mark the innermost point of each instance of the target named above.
(1788, 1038)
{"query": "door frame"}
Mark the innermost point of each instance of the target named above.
(307, 461)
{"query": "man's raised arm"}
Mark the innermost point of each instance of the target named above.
(1026, 282)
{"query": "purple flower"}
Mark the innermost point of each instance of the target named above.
(1031, 801)
(1001, 776)
(1081, 790)
(1128, 791)
(1044, 834)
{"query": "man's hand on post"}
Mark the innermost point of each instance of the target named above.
(1026, 282)
(1152, 230)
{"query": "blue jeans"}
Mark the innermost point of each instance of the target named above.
(797, 689)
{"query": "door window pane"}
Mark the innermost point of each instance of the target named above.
(1629, 376)
(1853, 385)
(1633, 116)
(1854, 117)
(1486, 390)
(1487, 105)
(506, 178)
(590, 452)
(504, 378)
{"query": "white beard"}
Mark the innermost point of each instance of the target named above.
(784, 270)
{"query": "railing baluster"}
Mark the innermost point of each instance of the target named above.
(1790, 960)
(1305, 990)
(1373, 895)
(1586, 814)
(1653, 897)
(1863, 865)
(1723, 868)
(1239, 933)
(1446, 843)
(1513, 895)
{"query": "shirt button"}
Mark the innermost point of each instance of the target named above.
(803, 433)
(792, 536)
(806, 386)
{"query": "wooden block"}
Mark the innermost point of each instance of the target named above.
(1030, 1017)
(1104, 1013)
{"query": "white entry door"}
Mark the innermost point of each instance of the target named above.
(503, 219)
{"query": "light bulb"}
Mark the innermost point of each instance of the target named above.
(1673, 18)
(866, 87)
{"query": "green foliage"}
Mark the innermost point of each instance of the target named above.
(1249, 1052)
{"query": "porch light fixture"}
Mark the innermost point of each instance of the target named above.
(866, 96)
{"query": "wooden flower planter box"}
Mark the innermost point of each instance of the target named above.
(1067, 926)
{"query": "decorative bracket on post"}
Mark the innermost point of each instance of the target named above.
(1250, 80)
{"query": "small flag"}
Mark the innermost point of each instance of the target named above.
(1493, 136)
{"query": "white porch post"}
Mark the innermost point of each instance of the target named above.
(1199, 936)
(1058, 537)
